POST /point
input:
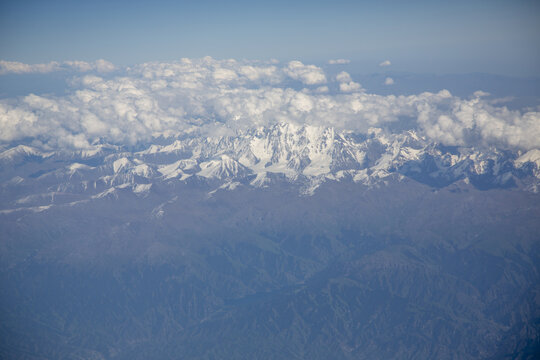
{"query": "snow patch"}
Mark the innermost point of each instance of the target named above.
(121, 164)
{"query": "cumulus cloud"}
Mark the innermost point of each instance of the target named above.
(385, 63)
(308, 74)
(343, 77)
(388, 81)
(216, 97)
(346, 84)
(14, 67)
(349, 87)
(338, 61)
(475, 122)
(7, 67)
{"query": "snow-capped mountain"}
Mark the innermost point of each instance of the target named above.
(306, 156)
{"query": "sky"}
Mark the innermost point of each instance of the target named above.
(213, 98)
(498, 37)
(75, 74)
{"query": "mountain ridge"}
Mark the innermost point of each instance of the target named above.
(304, 155)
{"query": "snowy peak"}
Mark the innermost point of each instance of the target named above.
(20, 153)
(304, 156)
(532, 156)
(121, 164)
(223, 168)
(181, 169)
(293, 150)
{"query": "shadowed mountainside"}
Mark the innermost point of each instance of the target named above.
(401, 270)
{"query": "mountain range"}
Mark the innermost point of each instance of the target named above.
(306, 156)
(288, 241)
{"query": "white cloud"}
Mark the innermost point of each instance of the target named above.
(224, 75)
(104, 66)
(343, 77)
(480, 93)
(346, 83)
(254, 73)
(14, 67)
(308, 74)
(475, 122)
(349, 87)
(322, 89)
(338, 61)
(388, 81)
(385, 63)
(221, 96)
(7, 67)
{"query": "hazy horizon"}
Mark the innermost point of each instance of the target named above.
(498, 37)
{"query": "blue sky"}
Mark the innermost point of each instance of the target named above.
(417, 36)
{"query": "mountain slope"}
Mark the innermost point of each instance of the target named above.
(284, 242)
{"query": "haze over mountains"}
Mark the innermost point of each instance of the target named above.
(235, 209)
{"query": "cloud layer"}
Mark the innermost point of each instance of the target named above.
(14, 67)
(218, 97)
